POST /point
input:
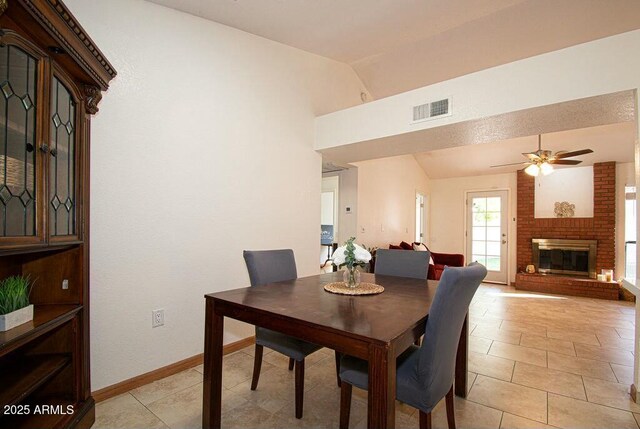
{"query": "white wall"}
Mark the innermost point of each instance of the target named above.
(447, 212)
(188, 169)
(387, 200)
(574, 185)
(600, 67)
(625, 176)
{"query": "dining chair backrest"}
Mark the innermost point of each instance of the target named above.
(269, 266)
(436, 362)
(402, 263)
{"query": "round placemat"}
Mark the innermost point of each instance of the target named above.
(362, 289)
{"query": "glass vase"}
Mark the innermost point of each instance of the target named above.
(351, 277)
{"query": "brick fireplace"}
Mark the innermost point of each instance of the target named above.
(600, 227)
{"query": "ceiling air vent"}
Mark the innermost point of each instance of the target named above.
(433, 110)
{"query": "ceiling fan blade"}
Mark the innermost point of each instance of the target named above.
(532, 156)
(561, 155)
(564, 162)
(513, 163)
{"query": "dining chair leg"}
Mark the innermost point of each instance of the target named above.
(291, 362)
(257, 364)
(451, 415)
(345, 405)
(425, 420)
(299, 376)
(338, 357)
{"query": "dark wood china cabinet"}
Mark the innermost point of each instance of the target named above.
(51, 79)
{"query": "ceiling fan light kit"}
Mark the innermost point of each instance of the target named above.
(546, 168)
(543, 160)
(532, 170)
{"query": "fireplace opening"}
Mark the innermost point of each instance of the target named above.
(567, 257)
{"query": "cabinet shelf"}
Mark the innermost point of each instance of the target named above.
(45, 318)
(22, 378)
(36, 248)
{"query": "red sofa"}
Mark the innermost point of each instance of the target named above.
(440, 260)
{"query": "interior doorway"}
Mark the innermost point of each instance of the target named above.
(328, 216)
(420, 231)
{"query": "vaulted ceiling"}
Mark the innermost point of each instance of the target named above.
(399, 45)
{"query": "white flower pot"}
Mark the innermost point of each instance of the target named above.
(15, 318)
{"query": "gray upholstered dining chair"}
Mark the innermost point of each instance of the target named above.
(424, 375)
(269, 266)
(402, 263)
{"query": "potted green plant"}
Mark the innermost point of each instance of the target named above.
(14, 302)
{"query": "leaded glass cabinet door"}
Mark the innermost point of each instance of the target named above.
(21, 189)
(63, 166)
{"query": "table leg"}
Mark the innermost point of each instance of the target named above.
(462, 358)
(382, 388)
(212, 386)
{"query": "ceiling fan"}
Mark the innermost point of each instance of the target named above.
(543, 160)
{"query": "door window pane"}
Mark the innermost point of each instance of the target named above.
(493, 218)
(62, 199)
(493, 263)
(493, 248)
(479, 205)
(18, 80)
(478, 247)
(493, 233)
(480, 258)
(480, 233)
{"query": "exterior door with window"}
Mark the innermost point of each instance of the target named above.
(486, 235)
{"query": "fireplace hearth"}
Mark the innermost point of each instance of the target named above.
(565, 257)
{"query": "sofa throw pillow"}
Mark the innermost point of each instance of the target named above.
(394, 247)
(421, 247)
(406, 246)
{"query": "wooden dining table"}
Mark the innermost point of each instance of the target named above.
(376, 328)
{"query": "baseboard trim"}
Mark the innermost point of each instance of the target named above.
(157, 374)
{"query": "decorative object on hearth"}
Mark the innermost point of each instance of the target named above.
(543, 160)
(15, 308)
(564, 209)
(608, 275)
(351, 256)
(530, 269)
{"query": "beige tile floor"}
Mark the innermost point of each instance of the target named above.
(535, 361)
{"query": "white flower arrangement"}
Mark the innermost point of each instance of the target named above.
(351, 255)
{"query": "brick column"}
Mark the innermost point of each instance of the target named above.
(600, 227)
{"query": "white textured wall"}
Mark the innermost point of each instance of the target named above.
(387, 200)
(595, 68)
(447, 212)
(203, 147)
(574, 185)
